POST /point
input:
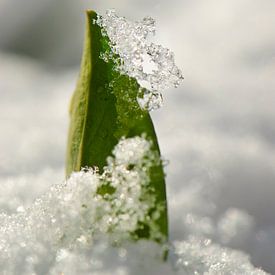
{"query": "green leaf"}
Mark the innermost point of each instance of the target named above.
(104, 109)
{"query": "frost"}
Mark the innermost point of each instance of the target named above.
(152, 65)
(149, 100)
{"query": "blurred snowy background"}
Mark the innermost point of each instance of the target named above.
(217, 130)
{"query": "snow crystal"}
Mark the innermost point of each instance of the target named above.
(76, 228)
(77, 212)
(152, 65)
(148, 100)
(131, 151)
(201, 256)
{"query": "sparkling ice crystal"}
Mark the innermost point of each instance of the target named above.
(152, 65)
(64, 231)
(76, 214)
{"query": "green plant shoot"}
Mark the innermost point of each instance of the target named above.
(103, 110)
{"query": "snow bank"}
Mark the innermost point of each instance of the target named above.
(218, 133)
(75, 228)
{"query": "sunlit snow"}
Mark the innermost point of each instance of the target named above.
(152, 65)
(194, 218)
(75, 228)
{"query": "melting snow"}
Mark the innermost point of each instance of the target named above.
(152, 65)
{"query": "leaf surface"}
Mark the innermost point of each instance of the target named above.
(104, 109)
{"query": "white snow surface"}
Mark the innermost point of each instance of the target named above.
(72, 229)
(44, 229)
(217, 131)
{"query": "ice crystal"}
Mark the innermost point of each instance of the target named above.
(201, 256)
(152, 65)
(83, 209)
(64, 231)
(149, 100)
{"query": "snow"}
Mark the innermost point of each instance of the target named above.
(152, 65)
(75, 215)
(216, 131)
(73, 229)
(53, 234)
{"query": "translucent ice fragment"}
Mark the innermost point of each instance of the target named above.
(152, 65)
(131, 151)
(150, 100)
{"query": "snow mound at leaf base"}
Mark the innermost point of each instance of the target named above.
(85, 226)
